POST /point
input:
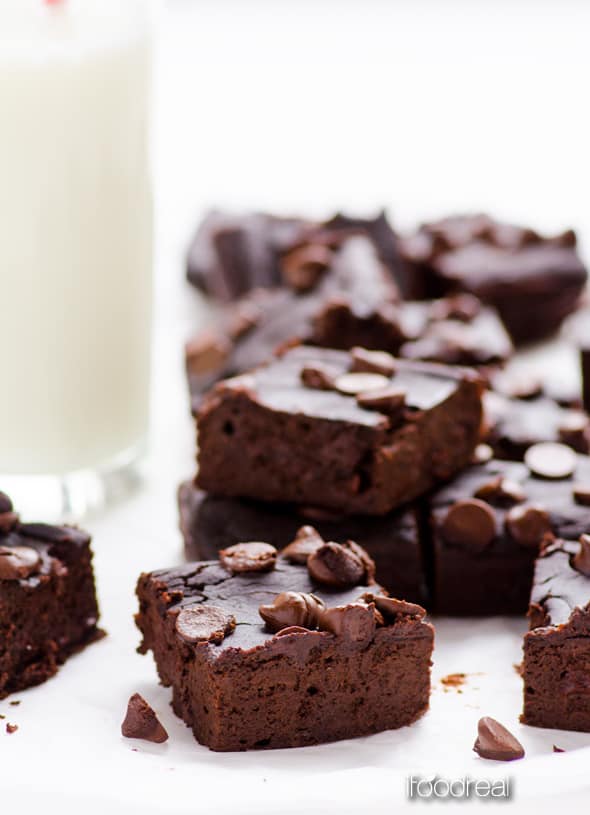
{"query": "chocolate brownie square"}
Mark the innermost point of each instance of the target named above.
(48, 606)
(487, 526)
(210, 523)
(533, 281)
(266, 651)
(556, 667)
(326, 428)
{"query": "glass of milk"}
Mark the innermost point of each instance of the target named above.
(75, 249)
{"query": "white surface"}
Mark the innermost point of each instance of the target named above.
(75, 232)
(426, 107)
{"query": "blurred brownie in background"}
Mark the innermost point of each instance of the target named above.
(533, 281)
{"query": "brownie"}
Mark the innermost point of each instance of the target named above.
(556, 667)
(266, 651)
(351, 303)
(231, 255)
(486, 528)
(533, 281)
(358, 432)
(210, 523)
(48, 606)
(513, 425)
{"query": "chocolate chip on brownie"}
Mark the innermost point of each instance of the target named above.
(528, 524)
(469, 523)
(334, 565)
(204, 624)
(254, 556)
(550, 460)
(292, 608)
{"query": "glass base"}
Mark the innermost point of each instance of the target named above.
(72, 496)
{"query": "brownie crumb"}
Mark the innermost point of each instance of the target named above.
(14, 702)
(11, 728)
(141, 721)
(557, 749)
(456, 680)
(519, 668)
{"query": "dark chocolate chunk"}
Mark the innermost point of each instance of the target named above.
(494, 741)
(249, 557)
(550, 460)
(204, 624)
(391, 608)
(469, 523)
(141, 722)
(307, 541)
(335, 565)
(376, 362)
(292, 608)
(581, 560)
(18, 562)
(528, 524)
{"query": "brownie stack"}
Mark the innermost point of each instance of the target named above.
(350, 426)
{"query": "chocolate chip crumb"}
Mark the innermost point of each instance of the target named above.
(582, 494)
(141, 721)
(18, 562)
(557, 749)
(355, 383)
(495, 742)
(456, 680)
(14, 702)
(11, 728)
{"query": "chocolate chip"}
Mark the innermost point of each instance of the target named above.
(249, 557)
(495, 742)
(18, 562)
(537, 616)
(141, 722)
(581, 560)
(364, 557)
(8, 521)
(582, 494)
(501, 491)
(355, 621)
(302, 267)
(204, 624)
(307, 541)
(375, 362)
(317, 376)
(11, 728)
(207, 352)
(524, 388)
(292, 608)
(391, 400)
(469, 523)
(353, 383)
(528, 524)
(550, 460)
(557, 749)
(5, 503)
(335, 565)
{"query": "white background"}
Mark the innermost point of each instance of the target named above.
(425, 107)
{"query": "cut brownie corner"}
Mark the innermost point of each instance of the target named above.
(556, 667)
(266, 650)
(48, 607)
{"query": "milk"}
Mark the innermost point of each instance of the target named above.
(75, 233)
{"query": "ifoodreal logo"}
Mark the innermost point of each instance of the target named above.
(432, 787)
